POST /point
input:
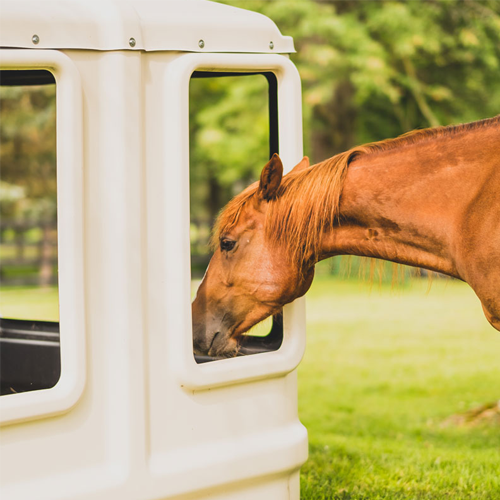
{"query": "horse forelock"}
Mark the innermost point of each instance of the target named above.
(230, 215)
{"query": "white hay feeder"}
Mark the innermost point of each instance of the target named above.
(133, 416)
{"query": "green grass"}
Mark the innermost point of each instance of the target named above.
(382, 372)
(29, 303)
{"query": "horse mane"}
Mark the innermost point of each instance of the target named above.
(308, 202)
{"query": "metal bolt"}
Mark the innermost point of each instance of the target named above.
(35, 39)
(132, 42)
(201, 44)
(271, 45)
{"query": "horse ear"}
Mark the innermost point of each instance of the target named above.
(270, 179)
(302, 165)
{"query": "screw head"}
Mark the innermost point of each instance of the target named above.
(271, 45)
(201, 44)
(35, 39)
(132, 42)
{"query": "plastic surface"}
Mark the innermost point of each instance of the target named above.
(176, 25)
(151, 423)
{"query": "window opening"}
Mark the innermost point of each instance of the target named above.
(29, 300)
(233, 132)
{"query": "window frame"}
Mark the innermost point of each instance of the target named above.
(69, 157)
(175, 319)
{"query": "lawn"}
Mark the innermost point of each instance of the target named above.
(383, 371)
(29, 303)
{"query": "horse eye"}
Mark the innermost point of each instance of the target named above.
(227, 245)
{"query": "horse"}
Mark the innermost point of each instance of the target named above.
(429, 198)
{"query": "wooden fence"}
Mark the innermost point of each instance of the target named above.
(28, 253)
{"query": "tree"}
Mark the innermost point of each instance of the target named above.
(28, 151)
(373, 70)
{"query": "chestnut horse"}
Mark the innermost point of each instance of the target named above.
(430, 198)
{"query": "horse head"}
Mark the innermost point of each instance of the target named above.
(251, 275)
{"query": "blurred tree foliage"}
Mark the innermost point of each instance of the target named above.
(229, 139)
(375, 69)
(28, 152)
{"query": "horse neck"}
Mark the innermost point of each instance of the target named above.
(406, 205)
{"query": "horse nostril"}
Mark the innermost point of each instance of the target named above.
(213, 340)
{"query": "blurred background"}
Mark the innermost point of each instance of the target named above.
(399, 387)
(28, 197)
